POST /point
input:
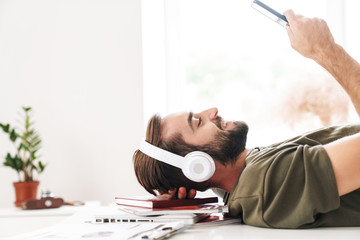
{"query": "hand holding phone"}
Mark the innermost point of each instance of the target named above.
(269, 12)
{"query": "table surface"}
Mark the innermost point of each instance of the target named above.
(241, 231)
(16, 221)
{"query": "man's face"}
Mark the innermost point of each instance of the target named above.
(221, 139)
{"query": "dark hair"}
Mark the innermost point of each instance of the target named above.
(156, 175)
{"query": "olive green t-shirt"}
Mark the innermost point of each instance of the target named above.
(292, 185)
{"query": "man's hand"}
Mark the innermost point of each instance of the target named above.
(313, 39)
(310, 37)
(181, 194)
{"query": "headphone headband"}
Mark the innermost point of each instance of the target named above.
(161, 155)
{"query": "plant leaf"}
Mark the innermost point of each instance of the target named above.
(13, 162)
(13, 135)
(28, 163)
(24, 147)
(5, 128)
(41, 167)
(26, 109)
(33, 155)
(35, 167)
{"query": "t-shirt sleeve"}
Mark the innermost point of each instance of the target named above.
(299, 186)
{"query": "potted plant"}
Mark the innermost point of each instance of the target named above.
(25, 161)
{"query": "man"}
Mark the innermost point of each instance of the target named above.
(312, 180)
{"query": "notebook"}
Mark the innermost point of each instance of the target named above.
(151, 202)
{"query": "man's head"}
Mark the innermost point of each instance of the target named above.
(182, 133)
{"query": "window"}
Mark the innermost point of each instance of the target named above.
(225, 54)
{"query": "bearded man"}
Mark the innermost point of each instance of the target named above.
(311, 180)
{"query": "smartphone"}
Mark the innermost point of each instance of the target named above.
(269, 12)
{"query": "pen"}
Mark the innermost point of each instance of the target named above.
(165, 231)
(158, 234)
(143, 232)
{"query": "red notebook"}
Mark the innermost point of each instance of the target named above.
(156, 203)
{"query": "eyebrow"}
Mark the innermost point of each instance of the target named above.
(189, 120)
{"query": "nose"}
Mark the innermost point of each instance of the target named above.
(210, 114)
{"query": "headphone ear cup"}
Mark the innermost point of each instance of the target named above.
(198, 166)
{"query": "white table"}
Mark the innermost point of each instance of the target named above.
(240, 231)
(15, 221)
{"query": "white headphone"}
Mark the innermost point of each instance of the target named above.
(196, 166)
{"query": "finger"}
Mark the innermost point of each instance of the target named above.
(290, 16)
(161, 192)
(165, 196)
(192, 193)
(182, 193)
(172, 192)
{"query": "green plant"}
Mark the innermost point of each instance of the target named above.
(27, 143)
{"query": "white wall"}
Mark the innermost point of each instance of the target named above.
(78, 64)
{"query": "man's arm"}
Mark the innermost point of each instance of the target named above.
(313, 39)
(344, 155)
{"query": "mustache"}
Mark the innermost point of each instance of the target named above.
(218, 122)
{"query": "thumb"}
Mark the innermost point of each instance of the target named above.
(290, 16)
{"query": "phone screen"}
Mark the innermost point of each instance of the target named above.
(269, 12)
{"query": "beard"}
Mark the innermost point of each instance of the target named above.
(227, 144)
(225, 148)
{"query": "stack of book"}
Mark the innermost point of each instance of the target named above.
(191, 210)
